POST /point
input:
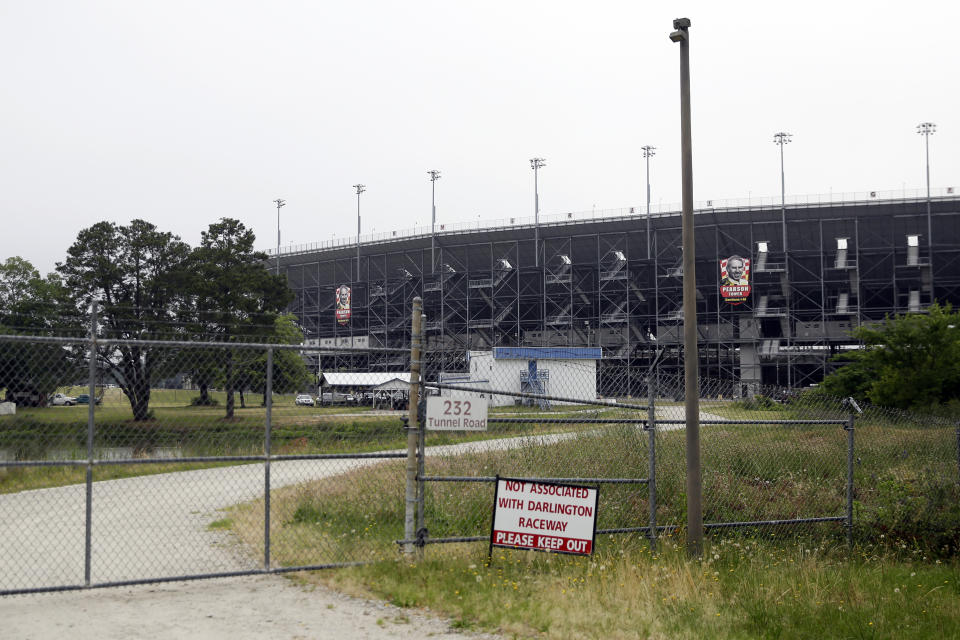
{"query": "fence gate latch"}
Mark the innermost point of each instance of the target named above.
(422, 535)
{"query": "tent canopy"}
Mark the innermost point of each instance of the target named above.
(362, 379)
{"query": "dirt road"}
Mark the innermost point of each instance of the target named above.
(250, 608)
(156, 526)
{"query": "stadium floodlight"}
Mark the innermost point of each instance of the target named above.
(360, 189)
(536, 164)
(648, 152)
(434, 176)
(279, 203)
(927, 129)
(781, 139)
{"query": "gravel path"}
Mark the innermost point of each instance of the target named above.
(158, 525)
(267, 607)
(143, 527)
(679, 413)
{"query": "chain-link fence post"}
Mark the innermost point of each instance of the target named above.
(91, 425)
(849, 521)
(652, 462)
(410, 514)
(268, 429)
(421, 453)
(958, 452)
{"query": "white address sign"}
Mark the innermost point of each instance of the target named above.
(462, 413)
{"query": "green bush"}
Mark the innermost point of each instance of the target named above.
(920, 511)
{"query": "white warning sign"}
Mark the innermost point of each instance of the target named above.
(544, 516)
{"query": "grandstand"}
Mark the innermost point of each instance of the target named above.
(816, 269)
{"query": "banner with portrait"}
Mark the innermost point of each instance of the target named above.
(343, 304)
(735, 279)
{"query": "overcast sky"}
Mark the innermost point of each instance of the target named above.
(183, 112)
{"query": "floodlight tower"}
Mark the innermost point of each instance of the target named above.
(927, 129)
(648, 152)
(434, 176)
(360, 189)
(279, 203)
(536, 164)
(781, 139)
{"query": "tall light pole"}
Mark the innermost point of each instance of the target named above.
(279, 203)
(648, 152)
(781, 139)
(535, 164)
(434, 176)
(360, 189)
(927, 129)
(690, 354)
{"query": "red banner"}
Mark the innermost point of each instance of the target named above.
(735, 279)
(343, 304)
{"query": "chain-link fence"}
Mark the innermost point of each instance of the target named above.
(125, 461)
(772, 469)
(132, 460)
(774, 461)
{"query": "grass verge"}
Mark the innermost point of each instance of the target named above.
(748, 590)
(768, 583)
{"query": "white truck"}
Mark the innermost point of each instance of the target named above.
(59, 399)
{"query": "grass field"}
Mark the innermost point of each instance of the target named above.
(900, 581)
(766, 583)
(739, 590)
(179, 429)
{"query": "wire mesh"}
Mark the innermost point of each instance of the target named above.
(126, 460)
(774, 460)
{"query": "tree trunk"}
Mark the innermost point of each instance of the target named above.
(228, 370)
(204, 394)
(138, 393)
(243, 403)
(137, 385)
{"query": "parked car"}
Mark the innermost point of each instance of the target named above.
(26, 397)
(304, 400)
(332, 397)
(59, 399)
(84, 398)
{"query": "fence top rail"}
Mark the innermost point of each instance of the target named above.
(538, 396)
(735, 421)
(533, 479)
(97, 462)
(195, 344)
(539, 420)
